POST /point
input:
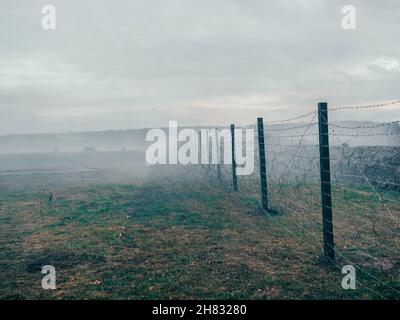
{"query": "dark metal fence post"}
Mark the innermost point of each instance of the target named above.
(325, 172)
(234, 177)
(263, 170)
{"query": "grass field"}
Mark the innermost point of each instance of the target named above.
(172, 237)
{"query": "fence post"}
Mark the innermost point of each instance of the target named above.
(325, 172)
(200, 147)
(234, 177)
(263, 167)
(209, 153)
(218, 155)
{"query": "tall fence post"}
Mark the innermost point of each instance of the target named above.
(263, 167)
(234, 177)
(218, 155)
(325, 172)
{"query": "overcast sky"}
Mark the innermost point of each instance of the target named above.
(119, 64)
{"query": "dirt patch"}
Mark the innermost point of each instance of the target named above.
(378, 263)
(365, 260)
(62, 259)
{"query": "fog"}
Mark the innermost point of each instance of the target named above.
(81, 98)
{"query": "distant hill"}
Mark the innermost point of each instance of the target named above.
(354, 133)
(111, 140)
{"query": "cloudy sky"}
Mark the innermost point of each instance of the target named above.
(123, 64)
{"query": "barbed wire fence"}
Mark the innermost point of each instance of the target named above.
(304, 168)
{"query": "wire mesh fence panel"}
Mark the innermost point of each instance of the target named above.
(364, 161)
(365, 172)
(365, 179)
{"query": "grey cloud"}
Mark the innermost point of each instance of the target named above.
(111, 65)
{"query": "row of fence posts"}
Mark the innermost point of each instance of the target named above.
(325, 175)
